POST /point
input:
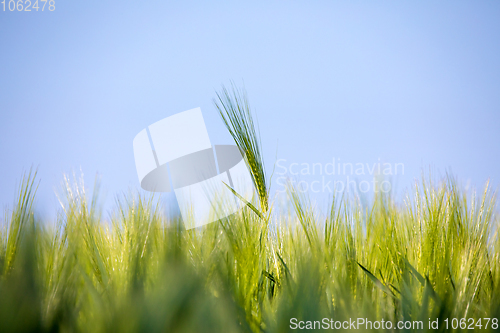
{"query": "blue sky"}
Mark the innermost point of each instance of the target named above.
(361, 81)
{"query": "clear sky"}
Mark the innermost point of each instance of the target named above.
(412, 82)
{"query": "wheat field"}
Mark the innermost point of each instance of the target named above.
(435, 256)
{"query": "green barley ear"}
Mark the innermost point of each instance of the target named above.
(235, 111)
(22, 219)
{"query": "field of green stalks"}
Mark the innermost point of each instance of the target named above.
(435, 256)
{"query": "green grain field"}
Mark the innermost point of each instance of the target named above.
(434, 256)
